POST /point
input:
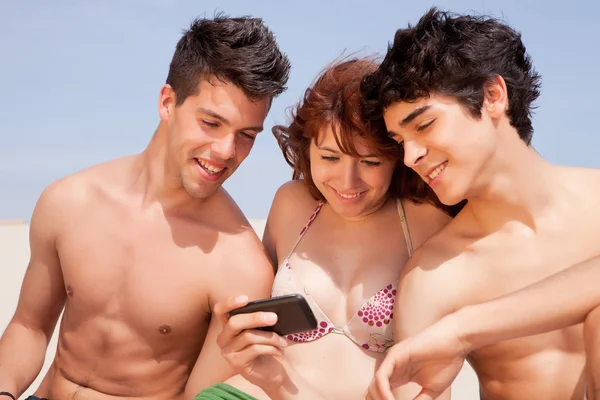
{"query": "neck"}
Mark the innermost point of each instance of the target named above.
(367, 215)
(520, 186)
(156, 177)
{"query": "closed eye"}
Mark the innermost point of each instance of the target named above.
(330, 158)
(248, 135)
(394, 136)
(210, 124)
(372, 163)
(421, 128)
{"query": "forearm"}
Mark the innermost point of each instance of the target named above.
(556, 302)
(22, 355)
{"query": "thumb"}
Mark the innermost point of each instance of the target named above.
(382, 379)
(225, 306)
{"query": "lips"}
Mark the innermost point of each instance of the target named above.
(210, 167)
(209, 170)
(433, 173)
(349, 196)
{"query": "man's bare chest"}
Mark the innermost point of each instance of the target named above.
(147, 280)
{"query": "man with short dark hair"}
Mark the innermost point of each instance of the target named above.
(138, 250)
(457, 92)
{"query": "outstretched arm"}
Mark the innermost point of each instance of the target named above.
(559, 301)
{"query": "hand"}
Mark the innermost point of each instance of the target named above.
(432, 359)
(255, 354)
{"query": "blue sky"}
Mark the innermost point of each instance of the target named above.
(81, 78)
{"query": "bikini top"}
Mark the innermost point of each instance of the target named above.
(370, 327)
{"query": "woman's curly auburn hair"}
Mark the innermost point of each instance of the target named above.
(335, 100)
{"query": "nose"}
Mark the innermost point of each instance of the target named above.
(413, 153)
(351, 175)
(224, 147)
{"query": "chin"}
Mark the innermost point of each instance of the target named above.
(198, 190)
(450, 199)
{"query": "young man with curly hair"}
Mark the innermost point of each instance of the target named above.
(457, 92)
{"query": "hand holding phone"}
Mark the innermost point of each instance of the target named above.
(293, 313)
(254, 346)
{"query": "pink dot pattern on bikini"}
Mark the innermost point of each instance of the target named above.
(323, 329)
(379, 310)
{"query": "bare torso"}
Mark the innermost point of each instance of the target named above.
(139, 289)
(342, 265)
(476, 268)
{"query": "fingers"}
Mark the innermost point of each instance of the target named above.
(375, 394)
(222, 308)
(391, 374)
(241, 350)
(380, 388)
(382, 381)
(427, 395)
(371, 395)
(245, 357)
(253, 337)
(243, 322)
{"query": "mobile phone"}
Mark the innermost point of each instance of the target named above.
(293, 313)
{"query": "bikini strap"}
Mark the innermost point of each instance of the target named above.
(305, 228)
(402, 214)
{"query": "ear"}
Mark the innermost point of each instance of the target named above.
(166, 102)
(495, 97)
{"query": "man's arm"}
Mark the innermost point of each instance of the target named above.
(24, 342)
(249, 273)
(424, 296)
(559, 301)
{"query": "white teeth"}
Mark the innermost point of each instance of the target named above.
(209, 168)
(348, 196)
(437, 171)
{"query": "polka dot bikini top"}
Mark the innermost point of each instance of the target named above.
(370, 327)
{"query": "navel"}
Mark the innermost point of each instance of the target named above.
(164, 329)
(69, 291)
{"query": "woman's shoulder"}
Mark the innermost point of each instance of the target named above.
(294, 195)
(290, 212)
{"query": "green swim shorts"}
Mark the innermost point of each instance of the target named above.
(223, 391)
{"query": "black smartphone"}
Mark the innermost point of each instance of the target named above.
(293, 313)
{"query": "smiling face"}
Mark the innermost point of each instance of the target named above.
(210, 134)
(444, 144)
(353, 186)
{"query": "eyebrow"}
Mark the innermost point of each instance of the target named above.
(329, 149)
(414, 115)
(226, 121)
